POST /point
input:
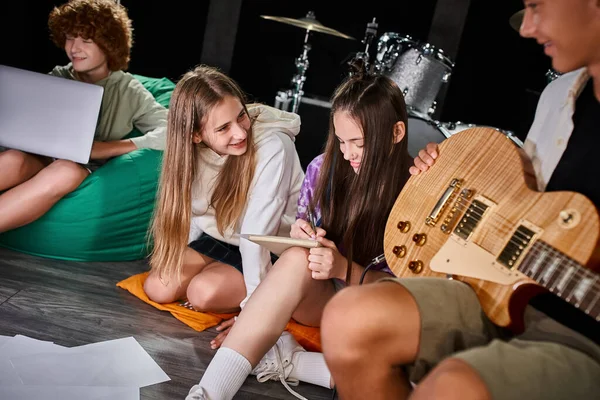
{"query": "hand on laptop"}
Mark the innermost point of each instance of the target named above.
(104, 150)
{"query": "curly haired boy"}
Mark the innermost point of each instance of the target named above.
(97, 38)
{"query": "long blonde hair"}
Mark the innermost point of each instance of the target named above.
(195, 95)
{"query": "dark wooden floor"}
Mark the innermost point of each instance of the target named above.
(75, 303)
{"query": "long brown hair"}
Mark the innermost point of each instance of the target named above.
(195, 95)
(355, 207)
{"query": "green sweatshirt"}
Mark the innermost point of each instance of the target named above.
(126, 104)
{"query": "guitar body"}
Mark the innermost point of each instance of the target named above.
(472, 217)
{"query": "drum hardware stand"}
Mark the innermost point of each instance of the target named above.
(310, 23)
(370, 33)
(294, 95)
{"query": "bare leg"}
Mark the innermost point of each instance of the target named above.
(452, 373)
(366, 332)
(170, 289)
(207, 284)
(217, 288)
(30, 200)
(288, 290)
(17, 167)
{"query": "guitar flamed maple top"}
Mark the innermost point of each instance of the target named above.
(472, 217)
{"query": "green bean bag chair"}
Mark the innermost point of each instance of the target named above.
(107, 217)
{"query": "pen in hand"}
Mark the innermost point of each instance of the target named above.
(313, 225)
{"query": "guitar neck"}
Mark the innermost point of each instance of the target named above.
(564, 277)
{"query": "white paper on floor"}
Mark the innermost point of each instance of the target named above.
(20, 346)
(3, 339)
(69, 393)
(113, 369)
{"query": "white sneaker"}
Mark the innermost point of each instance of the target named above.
(197, 393)
(277, 364)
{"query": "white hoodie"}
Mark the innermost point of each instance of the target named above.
(273, 195)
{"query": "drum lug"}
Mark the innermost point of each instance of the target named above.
(432, 108)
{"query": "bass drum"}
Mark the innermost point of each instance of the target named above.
(422, 130)
(451, 128)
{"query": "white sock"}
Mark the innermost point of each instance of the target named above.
(311, 368)
(225, 374)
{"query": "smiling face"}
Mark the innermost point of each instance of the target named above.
(226, 129)
(569, 31)
(89, 61)
(351, 138)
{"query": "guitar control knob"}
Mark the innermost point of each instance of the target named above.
(399, 251)
(416, 266)
(404, 226)
(566, 216)
(420, 239)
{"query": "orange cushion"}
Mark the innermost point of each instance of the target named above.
(308, 337)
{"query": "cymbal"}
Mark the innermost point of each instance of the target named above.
(309, 23)
(516, 20)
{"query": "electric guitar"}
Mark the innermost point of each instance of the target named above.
(472, 217)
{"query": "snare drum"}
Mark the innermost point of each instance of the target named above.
(420, 72)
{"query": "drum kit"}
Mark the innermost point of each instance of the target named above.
(310, 23)
(419, 69)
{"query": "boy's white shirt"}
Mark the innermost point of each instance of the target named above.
(553, 124)
(273, 195)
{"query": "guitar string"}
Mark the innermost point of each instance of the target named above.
(580, 271)
(494, 217)
(504, 223)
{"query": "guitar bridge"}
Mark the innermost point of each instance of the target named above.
(443, 202)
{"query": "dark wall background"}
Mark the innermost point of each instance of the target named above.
(498, 74)
(265, 50)
(167, 39)
(496, 80)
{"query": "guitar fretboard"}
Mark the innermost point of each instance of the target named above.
(564, 277)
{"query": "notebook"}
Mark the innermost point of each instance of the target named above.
(278, 244)
(48, 115)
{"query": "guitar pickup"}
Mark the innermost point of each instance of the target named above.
(518, 244)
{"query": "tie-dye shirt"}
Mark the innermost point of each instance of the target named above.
(307, 192)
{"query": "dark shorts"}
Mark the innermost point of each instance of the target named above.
(220, 251)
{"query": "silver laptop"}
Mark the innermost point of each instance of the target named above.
(48, 115)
